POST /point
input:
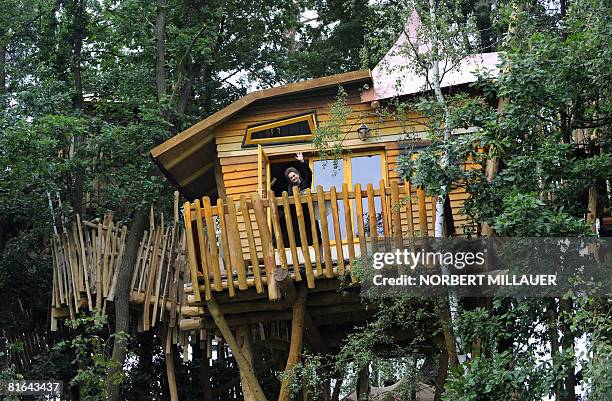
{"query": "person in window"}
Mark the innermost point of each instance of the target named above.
(301, 176)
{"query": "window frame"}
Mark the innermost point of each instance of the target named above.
(309, 117)
(347, 169)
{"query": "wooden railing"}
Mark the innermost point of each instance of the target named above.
(86, 261)
(238, 243)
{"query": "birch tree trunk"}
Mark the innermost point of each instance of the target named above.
(446, 311)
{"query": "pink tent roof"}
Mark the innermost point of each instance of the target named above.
(395, 74)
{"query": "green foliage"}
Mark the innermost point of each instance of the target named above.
(330, 136)
(91, 352)
(9, 373)
(531, 135)
(593, 317)
(556, 84)
(360, 350)
(331, 36)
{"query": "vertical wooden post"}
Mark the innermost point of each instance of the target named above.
(191, 255)
(169, 358)
(408, 195)
(251, 240)
(99, 270)
(243, 335)
(291, 236)
(299, 213)
(318, 248)
(243, 364)
(225, 246)
(212, 241)
(297, 336)
(348, 222)
(360, 222)
(423, 228)
(278, 234)
(337, 233)
(396, 219)
(372, 213)
(325, 231)
(266, 244)
(236, 255)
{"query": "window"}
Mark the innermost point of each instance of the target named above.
(298, 128)
(355, 168)
(368, 170)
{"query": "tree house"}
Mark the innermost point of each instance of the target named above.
(264, 259)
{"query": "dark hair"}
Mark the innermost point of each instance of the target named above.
(289, 170)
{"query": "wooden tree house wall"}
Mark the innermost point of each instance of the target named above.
(239, 165)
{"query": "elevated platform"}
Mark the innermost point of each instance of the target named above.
(245, 255)
(248, 238)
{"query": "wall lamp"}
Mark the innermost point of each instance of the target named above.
(364, 132)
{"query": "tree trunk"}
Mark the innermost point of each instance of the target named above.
(78, 32)
(566, 311)
(160, 52)
(446, 312)
(2, 70)
(363, 383)
(444, 317)
(441, 376)
(337, 388)
(122, 299)
(553, 332)
(185, 93)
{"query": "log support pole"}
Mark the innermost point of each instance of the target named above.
(297, 336)
(169, 359)
(245, 342)
(247, 374)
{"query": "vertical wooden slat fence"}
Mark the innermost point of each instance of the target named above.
(386, 210)
(86, 262)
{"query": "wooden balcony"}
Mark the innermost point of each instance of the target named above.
(239, 243)
(177, 269)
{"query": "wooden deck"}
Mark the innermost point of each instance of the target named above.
(236, 251)
(221, 239)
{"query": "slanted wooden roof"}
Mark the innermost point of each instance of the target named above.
(195, 145)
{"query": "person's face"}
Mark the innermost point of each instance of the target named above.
(294, 177)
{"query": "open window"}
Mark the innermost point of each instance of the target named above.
(298, 128)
